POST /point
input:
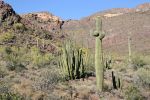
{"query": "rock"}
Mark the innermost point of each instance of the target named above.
(8, 14)
(94, 97)
(44, 20)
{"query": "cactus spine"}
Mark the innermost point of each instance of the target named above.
(99, 65)
(129, 48)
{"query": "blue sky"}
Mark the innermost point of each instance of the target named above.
(71, 9)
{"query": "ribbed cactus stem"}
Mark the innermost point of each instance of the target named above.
(43, 43)
(129, 48)
(99, 65)
(37, 42)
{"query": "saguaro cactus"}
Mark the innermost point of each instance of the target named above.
(37, 42)
(129, 48)
(99, 65)
(43, 43)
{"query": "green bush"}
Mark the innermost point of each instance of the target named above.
(40, 59)
(10, 96)
(7, 37)
(138, 62)
(132, 93)
(2, 73)
(15, 58)
(19, 26)
(144, 77)
(48, 79)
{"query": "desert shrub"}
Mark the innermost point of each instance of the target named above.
(53, 75)
(143, 76)
(5, 91)
(19, 26)
(10, 96)
(138, 62)
(4, 86)
(48, 79)
(15, 58)
(40, 59)
(2, 73)
(132, 93)
(7, 37)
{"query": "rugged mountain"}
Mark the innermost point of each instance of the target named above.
(34, 29)
(117, 23)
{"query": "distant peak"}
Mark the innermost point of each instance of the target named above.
(145, 6)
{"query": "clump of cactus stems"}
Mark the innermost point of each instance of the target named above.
(116, 81)
(99, 64)
(71, 62)
(129, 48)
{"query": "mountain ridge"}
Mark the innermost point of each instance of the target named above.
(117, 23)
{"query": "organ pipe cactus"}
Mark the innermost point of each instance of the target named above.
(99, 65)
(71, 62)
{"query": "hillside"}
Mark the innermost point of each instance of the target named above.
(117, 23)
(40, 29)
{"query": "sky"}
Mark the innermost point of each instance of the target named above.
(71, 9)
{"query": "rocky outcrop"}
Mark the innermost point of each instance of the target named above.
(7, 14)
(30, 29)
(143, 7)
(44, 20)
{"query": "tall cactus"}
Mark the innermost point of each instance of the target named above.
(37, 42)
(43, 43)
(129, 48)
(99, 65)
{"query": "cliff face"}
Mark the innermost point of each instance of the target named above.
(117, 23)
